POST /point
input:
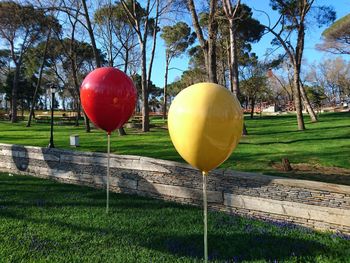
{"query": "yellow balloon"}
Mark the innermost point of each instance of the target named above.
(205, 123)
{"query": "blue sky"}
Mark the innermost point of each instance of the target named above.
(313, 36)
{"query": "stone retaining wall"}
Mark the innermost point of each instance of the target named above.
(312, 204)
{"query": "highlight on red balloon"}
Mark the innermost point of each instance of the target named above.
(108, 97)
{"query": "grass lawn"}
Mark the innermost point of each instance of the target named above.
(326, 143)
(46, 221)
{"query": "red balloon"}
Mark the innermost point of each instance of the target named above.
(108, 97)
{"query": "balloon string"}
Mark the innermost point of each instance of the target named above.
(205, 209)
(108, 157)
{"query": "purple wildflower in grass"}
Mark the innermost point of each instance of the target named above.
(248, 228)
(340, 235)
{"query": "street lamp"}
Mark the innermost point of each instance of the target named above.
(52, 89)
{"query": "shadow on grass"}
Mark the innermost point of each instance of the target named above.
(296, 131)
(230, 238)
(300, 140)
(248, 244)
(238, 247)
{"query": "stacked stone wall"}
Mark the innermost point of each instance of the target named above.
(308, 203)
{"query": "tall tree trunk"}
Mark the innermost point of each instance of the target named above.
(126, 60)
(252, 105)
(223, 78)
(297, 100)
(165, 86)
(154, 35)
(297, 66)
(144, 85)
(15, 94)
(31, 113)
(45, 101)
(78, 110)
(22, 107)
(212, 33)
(77, 90)
(230, 67)
(91, 34)
(86, 122)
(203, 43)
(121, 130)
(307, 104)
(234, 79)
(234, 62)
(63, 104)
(142, 38)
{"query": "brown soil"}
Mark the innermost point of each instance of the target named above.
(316, 172)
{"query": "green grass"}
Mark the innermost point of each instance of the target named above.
(270, 139)
(46, 221)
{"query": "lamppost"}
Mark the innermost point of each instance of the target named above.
(52, 89)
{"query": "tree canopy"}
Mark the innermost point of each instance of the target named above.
(336, 38)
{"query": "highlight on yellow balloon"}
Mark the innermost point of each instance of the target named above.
(205, 124)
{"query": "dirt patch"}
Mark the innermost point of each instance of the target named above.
(315, 172)
(313, 168)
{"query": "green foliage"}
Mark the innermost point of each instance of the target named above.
(247, 30)
(25, 87)
(177, 38)
(316, 95)
(338, 29)
(22, 21)
(60, 56)
(5, 57)
(46, 221)
(336, 37)
(188, 77)
(292, 11)
(154, 92)
(295, 16)
(254, 81)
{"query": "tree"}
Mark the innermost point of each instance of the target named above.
(53, 25)
(20, 26)
(336, 38)
(76, 13)
(153, 94)
(208, 45)
(242, 28)
(144, 25)
(317, 96)
(117, 36)
(177, 38)
(5, 61)
(292, 25)
(91, 34)
(333, 77)
(254, 84)
(25, 89)
(31, 113)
